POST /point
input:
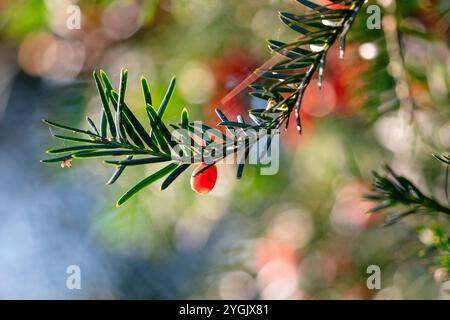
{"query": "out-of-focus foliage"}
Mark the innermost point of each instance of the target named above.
(393, 190)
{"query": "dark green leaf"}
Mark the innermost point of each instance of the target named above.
(184, 118)
(139, 161)
(168, 95)
(127, 127)
(118, 172)
(93, 126)
(105, 105)
(120, 101)
(83, 147)
(104, 125)
(74, 139)
(160, 131)
(240, 170)
(221, 115)
(314, 6)
(58, 159)
(108, 85)
(74, 130)
(134, 128)
(175, 174)
(98, 154)
(294, 53)
(146, 91)
(145, 183)
(199, 172)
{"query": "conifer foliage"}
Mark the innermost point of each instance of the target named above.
(121, 136)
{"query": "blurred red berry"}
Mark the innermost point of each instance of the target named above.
(230, 70)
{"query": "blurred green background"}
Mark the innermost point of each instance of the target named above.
(301, 234)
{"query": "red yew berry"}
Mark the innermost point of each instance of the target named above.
(332, 6)
(205, 181)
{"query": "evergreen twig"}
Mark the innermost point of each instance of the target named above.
(282, 86)
(392, 190)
